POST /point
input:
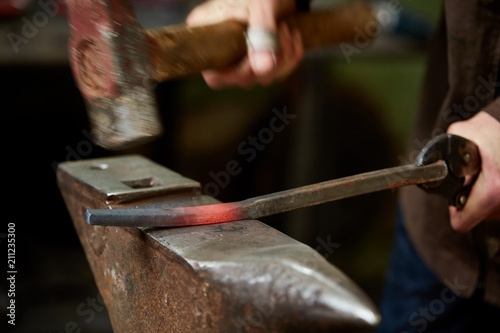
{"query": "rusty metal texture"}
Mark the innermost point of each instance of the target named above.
(112, 67)
(236, 277)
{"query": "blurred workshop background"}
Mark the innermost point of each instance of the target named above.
(352, 112)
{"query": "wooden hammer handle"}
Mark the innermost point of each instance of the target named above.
(181, 50)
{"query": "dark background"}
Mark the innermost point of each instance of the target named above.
(351, 117)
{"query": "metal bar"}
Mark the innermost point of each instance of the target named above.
(273, 203)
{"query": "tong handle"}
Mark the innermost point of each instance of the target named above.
(462, 158)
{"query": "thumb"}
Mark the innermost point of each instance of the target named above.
(475, 210)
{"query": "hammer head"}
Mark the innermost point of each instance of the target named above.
(111, 64)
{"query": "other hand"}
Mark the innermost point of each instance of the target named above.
(484, 199)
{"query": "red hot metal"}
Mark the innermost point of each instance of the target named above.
(273, 203)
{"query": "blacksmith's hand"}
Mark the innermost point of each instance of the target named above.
(273, 51)
(484, 199)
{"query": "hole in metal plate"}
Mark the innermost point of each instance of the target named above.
(147, 182)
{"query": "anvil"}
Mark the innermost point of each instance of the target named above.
(235, 277)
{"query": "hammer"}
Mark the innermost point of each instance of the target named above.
(116, 62)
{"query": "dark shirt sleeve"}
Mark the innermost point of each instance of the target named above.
(302, 5)
(494, 109)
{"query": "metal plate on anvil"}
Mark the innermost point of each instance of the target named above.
(129, 177)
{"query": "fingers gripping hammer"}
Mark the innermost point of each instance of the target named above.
(115, 61)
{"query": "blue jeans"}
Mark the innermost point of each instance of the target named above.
(415, 300)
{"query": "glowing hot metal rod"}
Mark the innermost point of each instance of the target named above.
(440, 168)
